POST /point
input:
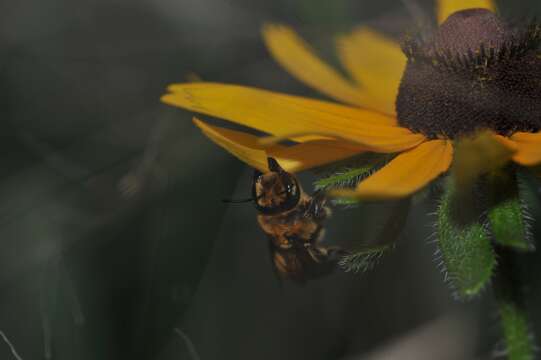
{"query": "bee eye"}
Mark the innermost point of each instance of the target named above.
(275, 192)
(291, 188)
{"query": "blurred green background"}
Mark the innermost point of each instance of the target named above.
(112, 227)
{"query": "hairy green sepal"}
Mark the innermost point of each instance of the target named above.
(343, 178)
(507, 212)
(348, 173)
(364, 260)
(507, 224)
(465, 247)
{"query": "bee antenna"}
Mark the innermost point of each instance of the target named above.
(231, 201)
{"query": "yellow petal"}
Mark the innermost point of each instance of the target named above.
(292, 158)
(388, 143)
(528, 148)
(376, 63)
(407, 173)
(448, 7)
(279, 115)
(312, 154)
(290, 51)
(478, 155)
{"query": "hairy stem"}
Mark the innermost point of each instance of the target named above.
(519, 344)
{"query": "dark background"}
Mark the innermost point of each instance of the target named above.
(112, 230)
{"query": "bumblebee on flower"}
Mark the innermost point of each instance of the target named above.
(464, 99)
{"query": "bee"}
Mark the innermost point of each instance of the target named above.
(293, 222)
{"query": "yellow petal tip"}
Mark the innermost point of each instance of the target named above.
(166, 99)
(197, 122)
(274, 27)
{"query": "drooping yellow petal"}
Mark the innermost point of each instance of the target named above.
(241, 145)
(407, 173)
(292, 158)
(448, 7)
(279, 115)
(528, 148)
(299, 60)
(478, 155)
(376, 63)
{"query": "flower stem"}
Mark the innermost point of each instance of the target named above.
(519, 344)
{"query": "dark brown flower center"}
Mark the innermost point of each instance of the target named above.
(475, 72)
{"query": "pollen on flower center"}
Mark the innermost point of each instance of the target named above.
(474, 72)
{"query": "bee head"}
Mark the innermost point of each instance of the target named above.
(275, 191)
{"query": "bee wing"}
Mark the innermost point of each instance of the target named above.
(278, 271)
(303, 263)
(288, 264)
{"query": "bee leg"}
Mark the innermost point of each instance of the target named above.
(322, 254)
(314, 253)
(317, 208)
(329, 254)
(335, 253)
(325, 261)
(274, 166)
(319, 237)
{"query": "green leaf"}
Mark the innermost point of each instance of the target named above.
(464, 245)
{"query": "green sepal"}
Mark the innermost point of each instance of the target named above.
(464, 244)
(343, 178)
(347, 177)
(364, 260)
(507, 212)
(367, 257)
(346, 174)
(345, 202)
(508, 225)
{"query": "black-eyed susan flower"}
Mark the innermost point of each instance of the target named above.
(475, 72)
(464, 97)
